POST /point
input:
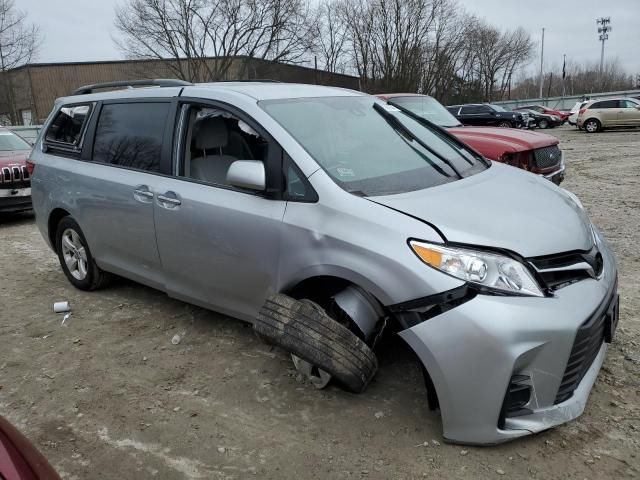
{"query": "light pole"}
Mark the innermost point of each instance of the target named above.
(603, 30)
(541, 61)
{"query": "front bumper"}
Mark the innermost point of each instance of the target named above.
(473, 351)
(557, 176)
(15, 200)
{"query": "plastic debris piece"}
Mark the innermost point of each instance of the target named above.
(61, 307)
(176, 339)
(65, 318)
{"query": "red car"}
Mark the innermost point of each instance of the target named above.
(15, 177)
(562, 115)
(19, 459)
(535, 152)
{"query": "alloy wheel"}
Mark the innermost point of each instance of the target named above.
(74, 254)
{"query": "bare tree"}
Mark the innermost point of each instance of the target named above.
(330, 35)
(189, 32)
(19, 42)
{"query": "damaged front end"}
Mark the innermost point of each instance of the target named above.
(503, 366)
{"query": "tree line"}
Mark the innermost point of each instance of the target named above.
(427, 46)
(578, 79)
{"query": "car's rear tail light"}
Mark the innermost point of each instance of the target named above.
(31, 166)
(582, 110)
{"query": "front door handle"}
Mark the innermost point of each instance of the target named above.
(142, 194)
(169, 200)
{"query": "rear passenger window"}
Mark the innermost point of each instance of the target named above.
(605, 104)
(67, 128)
(131, 135)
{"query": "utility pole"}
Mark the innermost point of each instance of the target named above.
(564, 73)
(541, 61)
(603, 30)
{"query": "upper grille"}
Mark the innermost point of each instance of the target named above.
(14, 177)
(585, 348)
(557, 271)
(547, 157)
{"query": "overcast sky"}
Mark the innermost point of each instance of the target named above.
(82, 30)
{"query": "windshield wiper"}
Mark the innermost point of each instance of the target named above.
(400, 127)
(442, 131)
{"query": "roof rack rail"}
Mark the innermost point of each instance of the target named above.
(251, 80)
(159, 82)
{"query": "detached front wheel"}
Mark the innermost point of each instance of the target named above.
(320, 346)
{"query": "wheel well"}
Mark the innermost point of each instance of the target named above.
(592, 118)
(321, 288)
(54, 219)
(318, 288)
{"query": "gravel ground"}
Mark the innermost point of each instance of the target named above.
(108, 395)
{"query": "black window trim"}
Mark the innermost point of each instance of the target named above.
(167, 142)
(69, 149)
(275, 164)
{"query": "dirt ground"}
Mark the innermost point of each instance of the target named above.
(107, 395)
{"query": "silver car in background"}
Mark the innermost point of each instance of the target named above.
(326, 218)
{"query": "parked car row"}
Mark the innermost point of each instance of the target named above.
(324, 216)
(535, 152)
(484, 114)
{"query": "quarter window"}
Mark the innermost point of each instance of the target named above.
(473, 109)
(68, 127)
(131, 135)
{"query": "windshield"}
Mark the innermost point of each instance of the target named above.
(371, 150)
(498, 108)
(428, 108)
(10, 142)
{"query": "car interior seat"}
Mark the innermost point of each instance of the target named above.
(212, 138)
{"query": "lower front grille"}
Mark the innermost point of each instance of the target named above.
(586, 346)
(547, 157)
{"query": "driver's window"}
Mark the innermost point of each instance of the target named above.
(215, 138)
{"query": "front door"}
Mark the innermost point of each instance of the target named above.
(629, 113)
(219, 245)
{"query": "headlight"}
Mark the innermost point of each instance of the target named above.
(490, 270)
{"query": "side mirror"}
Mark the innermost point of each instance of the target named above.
(248, 174)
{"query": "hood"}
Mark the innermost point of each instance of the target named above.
(502, 207)
(13, 158)
(509, 139)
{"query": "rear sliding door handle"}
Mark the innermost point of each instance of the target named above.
(143, 194)
(169, 201)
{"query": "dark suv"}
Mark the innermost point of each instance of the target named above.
(484, 114)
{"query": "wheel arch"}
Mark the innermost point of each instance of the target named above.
(330, 281)
(55, 216)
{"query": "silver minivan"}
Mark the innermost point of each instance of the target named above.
(328, 218)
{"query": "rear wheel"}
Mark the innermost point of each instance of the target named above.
(75, 257)
(543, 124)
(321, 347)
(592, 125)
(504, 124)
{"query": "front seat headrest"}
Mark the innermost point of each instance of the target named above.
(212, 133)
